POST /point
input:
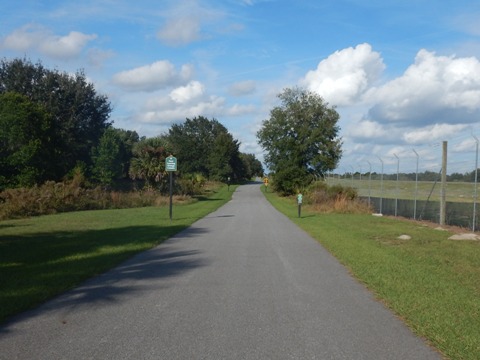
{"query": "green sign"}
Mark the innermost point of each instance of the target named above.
(171, 163)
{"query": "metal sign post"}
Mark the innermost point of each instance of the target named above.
(171, 166)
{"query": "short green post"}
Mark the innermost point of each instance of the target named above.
(299, 202)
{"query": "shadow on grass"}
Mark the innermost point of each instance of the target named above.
(37, 267)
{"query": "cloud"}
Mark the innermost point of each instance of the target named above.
(242, 88)
(435, 89)
(467, 22)
(96, 57)
(346, 75)
(39, 38)
(187, 101)
(367, 129)
(159, 75)
(238, 110)
(186, 22)
(165, 110)
(432, 133)
(186, 94)
(181, 31)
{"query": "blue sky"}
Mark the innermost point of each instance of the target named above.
(403, 75)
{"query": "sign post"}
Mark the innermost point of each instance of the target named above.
(171, 166)
(299, 202)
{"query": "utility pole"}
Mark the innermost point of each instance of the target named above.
(443, 203)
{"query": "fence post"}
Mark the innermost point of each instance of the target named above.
(381, 185)
(353, 170)
(475, 191)
(416, 189)
(396, 194)
(369, 181)
(443, 203)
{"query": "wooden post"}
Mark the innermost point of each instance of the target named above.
(443, 203)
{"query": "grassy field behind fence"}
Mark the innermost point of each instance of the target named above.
(429, 281)
(455, 191)
(41, 257)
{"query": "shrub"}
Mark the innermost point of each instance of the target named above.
(75, 195)
(190, 184)
(336, 198)
(54, 197)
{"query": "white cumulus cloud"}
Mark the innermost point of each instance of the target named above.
(39, 38)
(344, 76)
(185, 94)
(431, 133)
(368, 129)
(435, 89)
(159, 75)
(164, 110)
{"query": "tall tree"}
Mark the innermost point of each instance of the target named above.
(107, 164)
(300, 139)
(224, 158)
(79, 114)
(253, 166)
(205, 146)
(25, 148)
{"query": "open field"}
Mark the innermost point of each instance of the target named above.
(429, 281)
(455, 191)
(41, 257)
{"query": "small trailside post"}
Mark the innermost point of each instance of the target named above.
(299, 202)
(171, 166)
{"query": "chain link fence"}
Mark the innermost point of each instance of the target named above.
(433, 182)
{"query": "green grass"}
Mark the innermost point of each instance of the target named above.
(429, 281)
(41, 257)
(455, 191)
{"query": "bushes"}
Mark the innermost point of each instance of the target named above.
(336, 198)
(76, 195)
(54, 197)
(190, 184)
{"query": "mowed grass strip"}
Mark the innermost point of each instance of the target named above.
(429, 281)
(41, 257)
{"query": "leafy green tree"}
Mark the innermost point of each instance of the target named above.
(107, 164)
(25, 135)
(79, 114)
(205, 146)
(253, 167)
(128, 139)
(300, 139)
(223, 159)
(148, 162)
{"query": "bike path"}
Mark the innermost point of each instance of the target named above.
(242, 283)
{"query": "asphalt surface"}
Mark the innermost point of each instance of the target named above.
(242, 283)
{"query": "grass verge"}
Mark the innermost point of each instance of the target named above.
(431, 282)
(43, 256)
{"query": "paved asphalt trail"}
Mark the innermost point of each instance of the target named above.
(242, 283)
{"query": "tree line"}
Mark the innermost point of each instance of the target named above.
(53, 123)
(468, 176)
